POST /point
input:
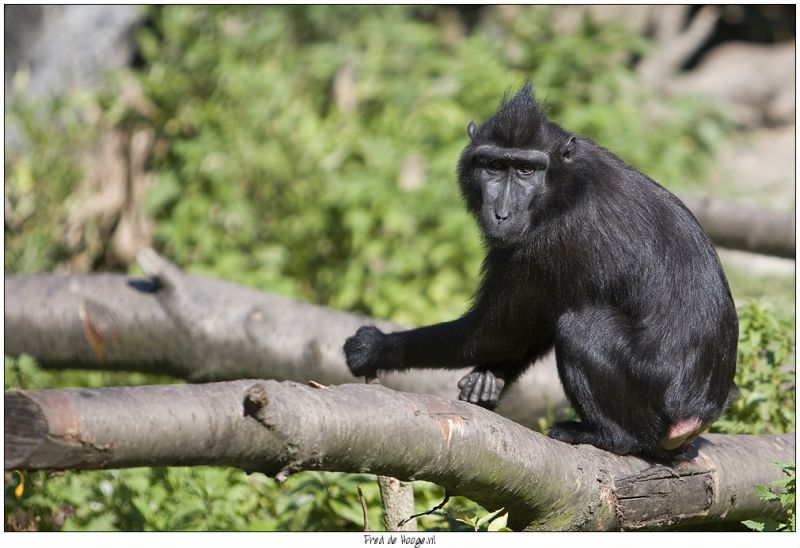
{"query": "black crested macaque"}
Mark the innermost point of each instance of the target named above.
(590, 256)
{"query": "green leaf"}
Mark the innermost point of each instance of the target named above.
(489, 517)
(499, 524)
(350, 512)
(467, 518)
(755, 525)
(765, 494)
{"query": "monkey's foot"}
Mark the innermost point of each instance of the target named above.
(481, 387)
(571, 432)
(577, 433)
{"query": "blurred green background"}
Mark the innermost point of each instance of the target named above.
(311, 151)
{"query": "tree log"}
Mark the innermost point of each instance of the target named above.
(732, 225)
(282, 427)
(202, 329)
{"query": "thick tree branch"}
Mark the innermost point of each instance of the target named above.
(202, 329)
(735, 226)
(279, 428)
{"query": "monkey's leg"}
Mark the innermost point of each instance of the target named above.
(594, 354)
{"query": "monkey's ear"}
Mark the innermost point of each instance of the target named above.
(471, 129)
(568, 150)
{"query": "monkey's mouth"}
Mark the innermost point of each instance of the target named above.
(503, 232)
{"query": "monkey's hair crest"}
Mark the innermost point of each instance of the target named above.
(520, 122)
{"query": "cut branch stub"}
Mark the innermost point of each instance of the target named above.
(255, 400)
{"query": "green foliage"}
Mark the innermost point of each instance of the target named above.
(296, 158)
(192, 499)
(777, 291)
(459, 514)
(24, 374)
(765, 375)
(493, 521)
(39, 181)
(324, 501)
(783, 491)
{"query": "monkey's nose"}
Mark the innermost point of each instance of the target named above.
(501, 215)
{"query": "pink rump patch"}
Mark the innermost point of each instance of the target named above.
(681, 433)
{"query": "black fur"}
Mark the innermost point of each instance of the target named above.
(592, 257)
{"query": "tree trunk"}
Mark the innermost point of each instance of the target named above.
(282, 427)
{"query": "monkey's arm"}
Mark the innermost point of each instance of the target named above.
(449, 345)
(444, 345)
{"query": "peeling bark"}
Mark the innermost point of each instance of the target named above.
(282, 427)
(650, 497)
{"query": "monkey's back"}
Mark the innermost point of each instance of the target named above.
(645, 255)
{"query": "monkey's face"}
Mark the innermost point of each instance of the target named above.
(509, 181)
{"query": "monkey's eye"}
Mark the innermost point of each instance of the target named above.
(496, 165)
(526, 169)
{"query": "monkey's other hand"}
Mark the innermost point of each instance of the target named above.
(481, 387)
(363, 350)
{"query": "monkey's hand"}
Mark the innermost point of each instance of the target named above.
(481, 387)
(363, 351)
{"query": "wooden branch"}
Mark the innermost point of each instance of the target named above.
(749, 229)
(283, 427)
(202, 329)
